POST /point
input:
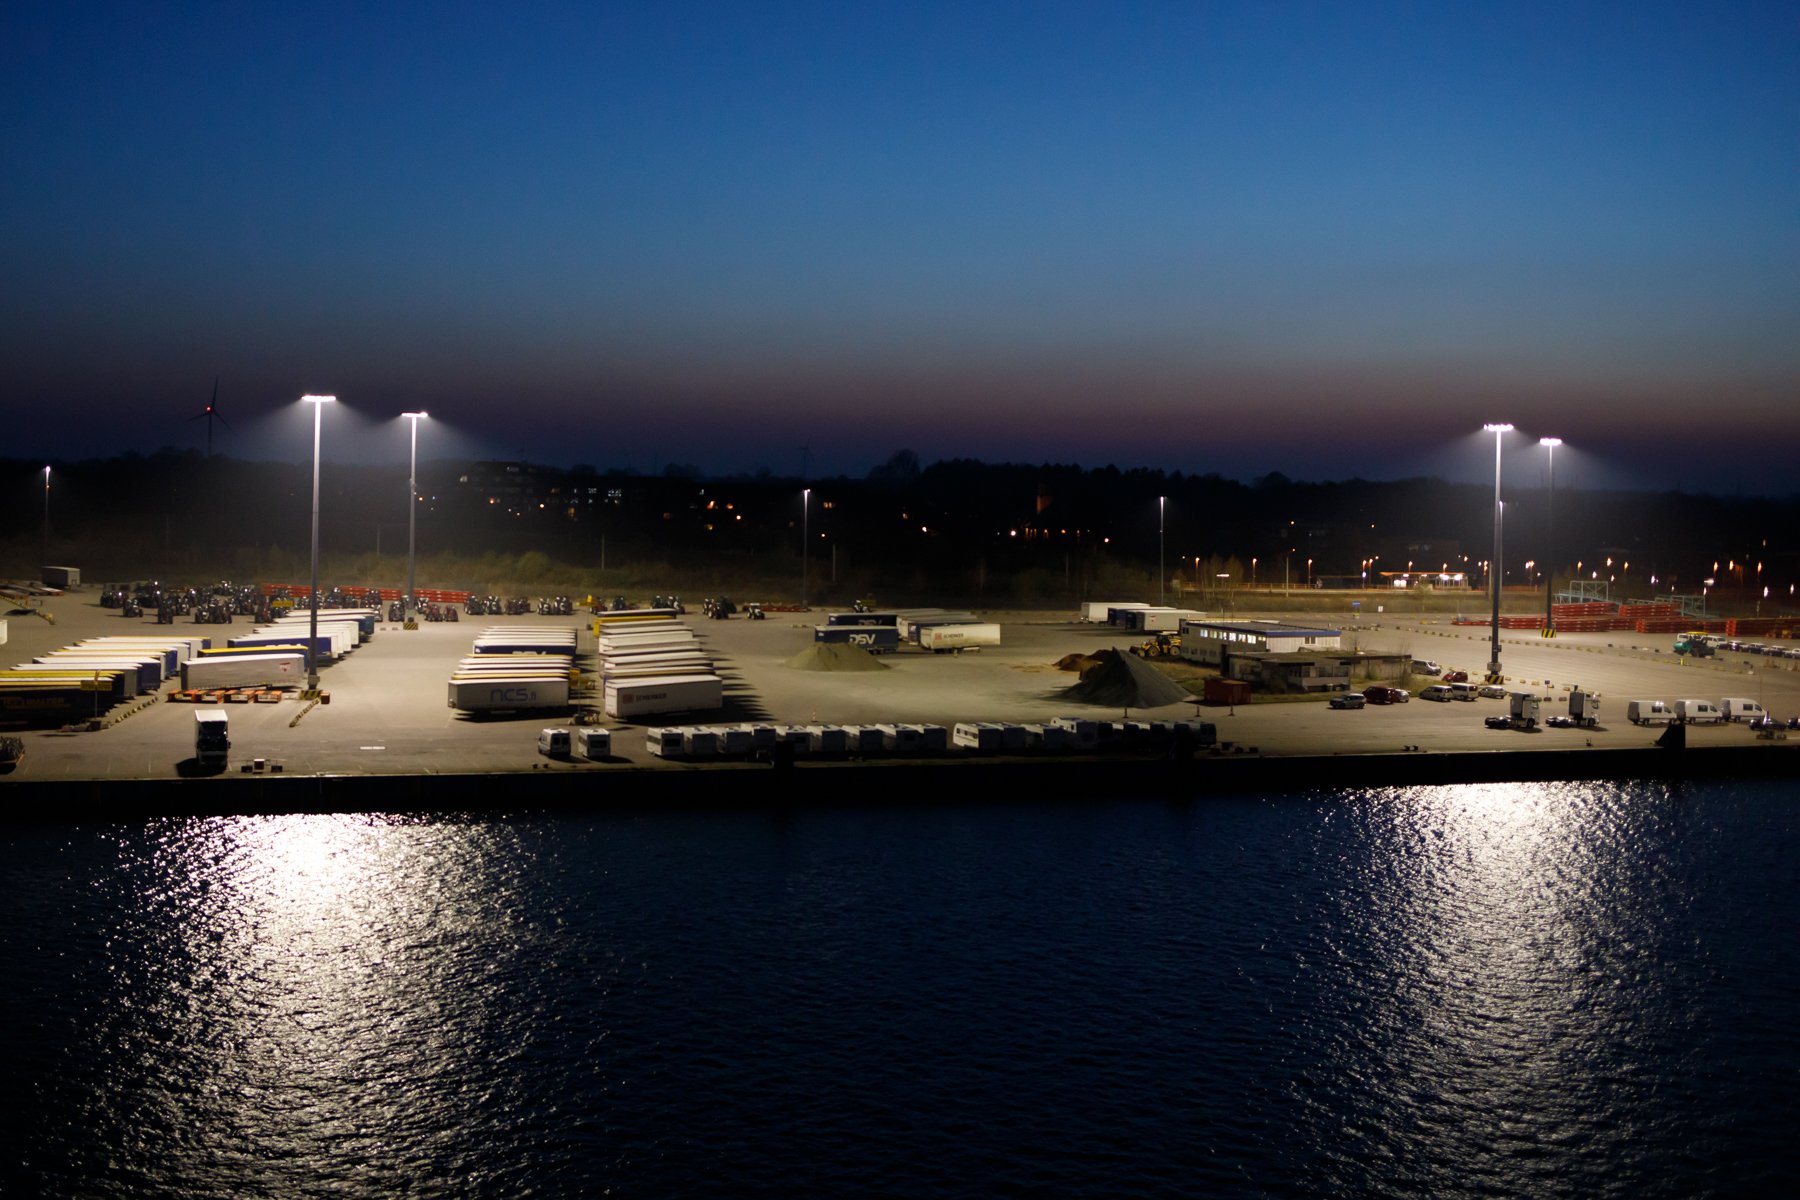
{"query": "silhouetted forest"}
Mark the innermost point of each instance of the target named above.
(1043, 529)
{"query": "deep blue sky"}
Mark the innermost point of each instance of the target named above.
(1321, 239)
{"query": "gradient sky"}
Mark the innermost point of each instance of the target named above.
(1324, 239)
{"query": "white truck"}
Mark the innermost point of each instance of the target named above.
(1523, 709)
(1649, 712)
(212, 737)
(1584, 708)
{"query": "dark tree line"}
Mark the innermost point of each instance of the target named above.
(905, 522)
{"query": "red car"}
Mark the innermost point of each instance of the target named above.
(1455, 677)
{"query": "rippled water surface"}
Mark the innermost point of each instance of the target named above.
(1575, 990)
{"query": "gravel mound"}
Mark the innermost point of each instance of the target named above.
(1127, 681)
(830, 656)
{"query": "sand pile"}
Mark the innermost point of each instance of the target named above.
(831, 656)
(1081, 664)
(1127, 681)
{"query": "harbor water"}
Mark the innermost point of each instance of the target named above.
(1579, 990)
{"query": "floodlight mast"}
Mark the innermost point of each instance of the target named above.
(312, 666)
(1494, 572)
(409, 601)
(1550, 444)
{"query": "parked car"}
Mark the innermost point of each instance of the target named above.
(1436, 691)
(1456, 677)
(1491, 691)
(1347, 700)
(1424, 666)
(1381, 693)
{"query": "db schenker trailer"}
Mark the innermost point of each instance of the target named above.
(954, 639)
(629, 698)
(208, 673)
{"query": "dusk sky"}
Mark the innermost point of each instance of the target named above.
(1323, 239)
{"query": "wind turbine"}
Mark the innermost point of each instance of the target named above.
(212, 413)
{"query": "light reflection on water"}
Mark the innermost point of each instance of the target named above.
(1526, 989)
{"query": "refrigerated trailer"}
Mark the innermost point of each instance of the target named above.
(954, 639)
(506, 693)
(628, 698)
(283, 669)
(146, 674)
(876, 639)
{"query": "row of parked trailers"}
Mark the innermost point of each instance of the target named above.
(1073, 734)
(87, 679)
(514, 668)
(652, 664)
(936, 629)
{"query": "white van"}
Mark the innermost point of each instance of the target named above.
(1437, 691)
(1696, 712)
(1649, 712)
(1736, 708)
(1461, 691)
(553, 743)
(594, 744)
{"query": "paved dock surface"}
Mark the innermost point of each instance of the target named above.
(387, 713)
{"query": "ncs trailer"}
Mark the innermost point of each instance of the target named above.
(508, 693)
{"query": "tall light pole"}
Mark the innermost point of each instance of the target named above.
(805, 541)
(46, 557)
(1550, 444)
(412, 510)
(312, 665)
(1162, 509)
(1494, 573)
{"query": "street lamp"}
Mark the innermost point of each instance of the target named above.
(1494, 571)
(1549, 444)
(805, 541)
(312, 665)
(412, 511)
(46, 557)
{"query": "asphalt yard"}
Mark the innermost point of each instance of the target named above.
(387, 711)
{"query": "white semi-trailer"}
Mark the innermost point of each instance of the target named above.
(631, 698)
(954, 639)
(504, 693)
(210, 673)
